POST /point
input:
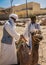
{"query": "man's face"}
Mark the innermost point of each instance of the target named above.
(14, 19)
(33, 20)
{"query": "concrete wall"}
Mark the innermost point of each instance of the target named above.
(36, 6)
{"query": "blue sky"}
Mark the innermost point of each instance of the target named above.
(6, 3)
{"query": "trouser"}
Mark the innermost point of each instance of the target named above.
(35, 55)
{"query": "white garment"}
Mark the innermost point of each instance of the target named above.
(15, 16)
(32, 29)
(25, 34)
(9, 52)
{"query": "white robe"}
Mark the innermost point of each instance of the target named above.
(32, 29)
(9, 52)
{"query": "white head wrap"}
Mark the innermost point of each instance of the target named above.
(14, 16)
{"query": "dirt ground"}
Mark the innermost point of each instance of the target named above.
(42, 47)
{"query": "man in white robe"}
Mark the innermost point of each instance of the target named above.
(8, 50)
(32, 27)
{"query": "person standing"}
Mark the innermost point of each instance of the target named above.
(31, 28)
(10, 36)
(35, 27)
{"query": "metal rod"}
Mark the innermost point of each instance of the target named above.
(26, 10)
(11, 5)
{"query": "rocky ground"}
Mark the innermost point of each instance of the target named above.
(42, 48)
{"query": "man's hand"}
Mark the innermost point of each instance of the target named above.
(34, 31)
(23, 38)
(20, 41)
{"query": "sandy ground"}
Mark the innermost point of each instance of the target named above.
(42, 48)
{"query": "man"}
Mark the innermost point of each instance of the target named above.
(9, 51)
(32, 28)
(35, 45)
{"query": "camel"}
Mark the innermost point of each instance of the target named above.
(24, 53)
